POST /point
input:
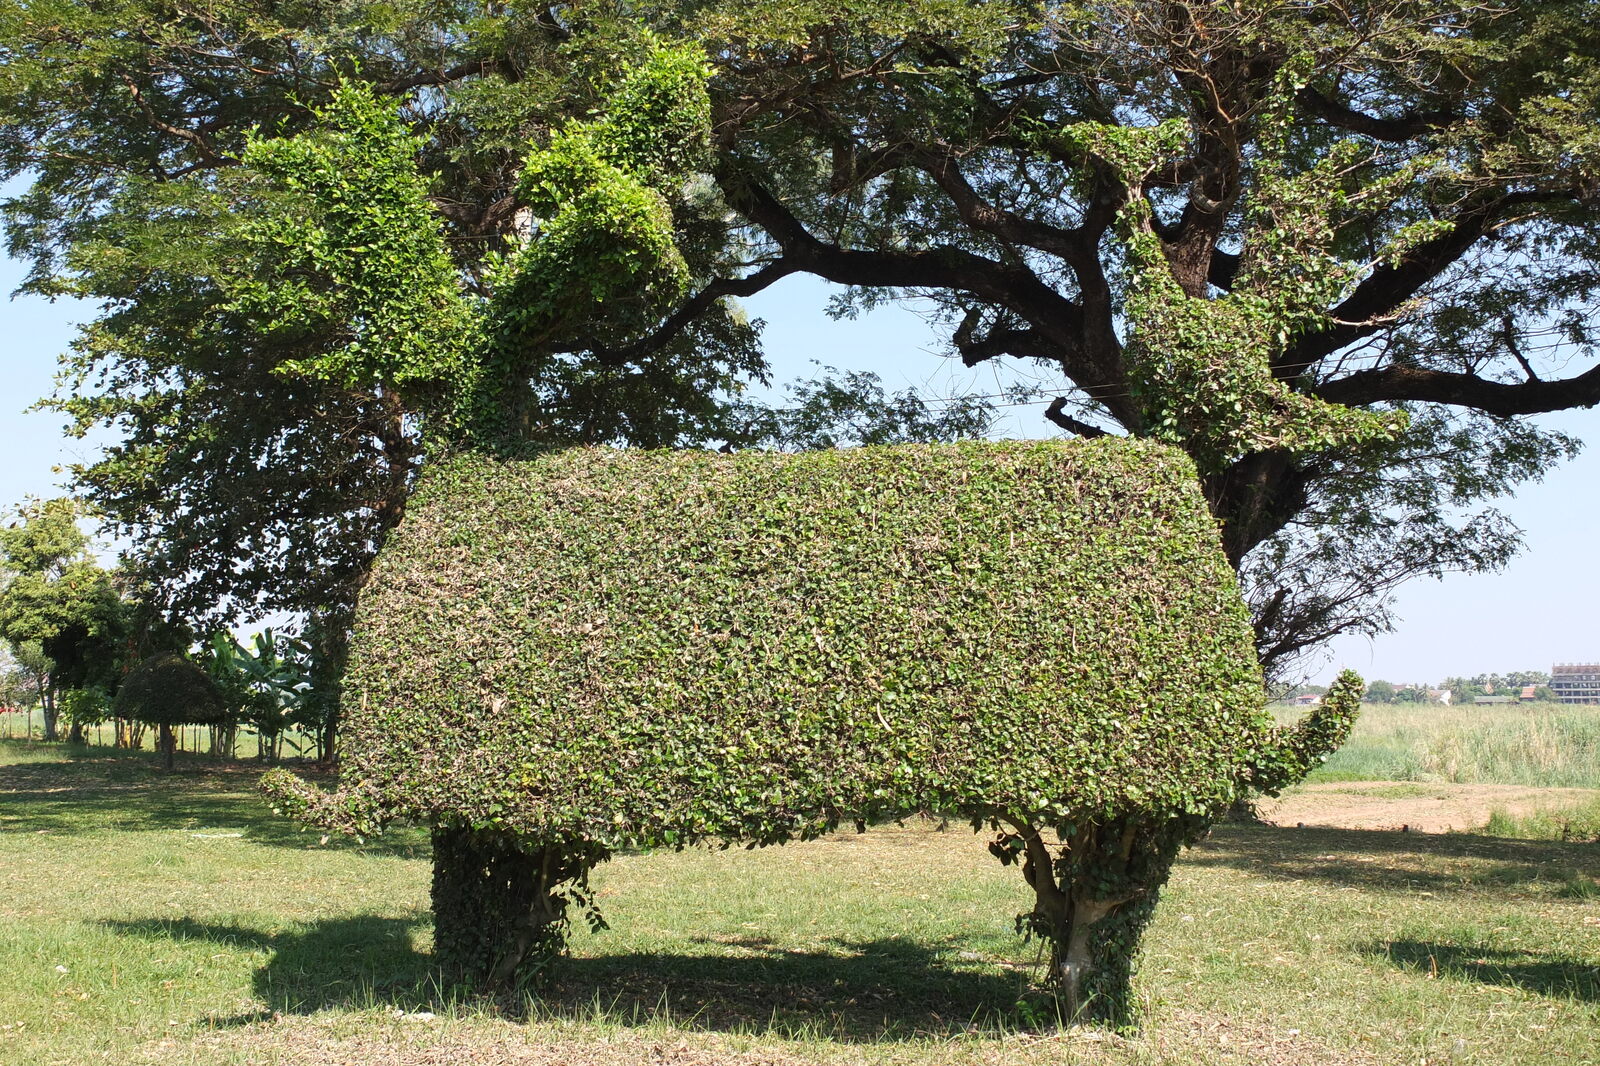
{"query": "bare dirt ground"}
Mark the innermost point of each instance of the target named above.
(1421, 808)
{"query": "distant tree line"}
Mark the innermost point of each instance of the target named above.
(72, 630)
(1457, 689)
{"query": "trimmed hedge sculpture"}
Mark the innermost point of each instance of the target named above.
(167, 690)
(597, 649)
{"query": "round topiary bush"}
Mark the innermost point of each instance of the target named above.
(597, 648)
(167, 690)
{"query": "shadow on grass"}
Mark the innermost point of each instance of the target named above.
(854, 991)
(1546, 974)
(336, 963)
(1388, 861)
(867, 991)
(95, 789)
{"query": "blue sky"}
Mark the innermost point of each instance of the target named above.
(1544, 608)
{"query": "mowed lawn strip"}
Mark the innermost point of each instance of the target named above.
(146, 918)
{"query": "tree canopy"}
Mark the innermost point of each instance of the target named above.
(247, 269)
(1337, 252)
(168, 689)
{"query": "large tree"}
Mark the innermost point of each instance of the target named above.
(1241, 227)
(1227, 225)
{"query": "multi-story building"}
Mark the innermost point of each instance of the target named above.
(1576, 682)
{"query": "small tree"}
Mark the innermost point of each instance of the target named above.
(1380, 692)
(57, 597)
(83, 708)
(167, 690)
(264, 683)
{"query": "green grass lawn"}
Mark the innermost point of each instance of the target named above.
(146, 918)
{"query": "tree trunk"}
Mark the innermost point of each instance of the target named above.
(52, 715)
(224, 739)
(500, 906)
(327, 738)
(1094, 894)
(75, 733)
(168, 744)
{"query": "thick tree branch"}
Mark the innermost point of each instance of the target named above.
(1087, 350)
(444, 76)
(1404, 128)
(1023, 343)
(1383, 292)
(680, 319)
(985, 217)
(207, 152)
(1056, 413)
(1392, 383)
(941, 267)
(1058, 321)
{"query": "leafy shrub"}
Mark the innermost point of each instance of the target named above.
(601, 648)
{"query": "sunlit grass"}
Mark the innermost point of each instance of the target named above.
(172, 919)
(1578, 822)
(1536, 744)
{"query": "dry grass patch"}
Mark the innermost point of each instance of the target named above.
(1435, 808)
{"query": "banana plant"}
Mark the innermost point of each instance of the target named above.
(265, 682)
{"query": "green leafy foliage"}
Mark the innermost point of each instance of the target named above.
(345, 247)
(56, 597)
(267, 683)
(603, 258)
(1390, 204)
(168, 690)
(601, 648)
(345, 257)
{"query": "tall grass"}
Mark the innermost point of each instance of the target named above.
(1537, 744)
(1576, 822)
